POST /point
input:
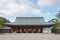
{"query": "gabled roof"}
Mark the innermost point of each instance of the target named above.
(5, 27)
(30, 21)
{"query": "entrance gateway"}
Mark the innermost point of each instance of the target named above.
(30, 25)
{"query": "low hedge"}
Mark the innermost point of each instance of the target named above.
(56, 31)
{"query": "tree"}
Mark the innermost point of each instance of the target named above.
(57, 23)
(55, 20)
(3, 21)
(58, 15)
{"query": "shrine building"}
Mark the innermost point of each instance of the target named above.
(30, 25)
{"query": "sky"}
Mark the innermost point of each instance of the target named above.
(11, 9)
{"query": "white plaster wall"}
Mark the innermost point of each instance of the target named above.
(47, 30)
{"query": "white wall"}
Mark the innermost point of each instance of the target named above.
(47, 30)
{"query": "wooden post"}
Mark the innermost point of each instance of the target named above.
(12, 30)
(39, 30)
(26, 30)
(32, 30)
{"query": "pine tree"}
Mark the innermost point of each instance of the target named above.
(3, 21)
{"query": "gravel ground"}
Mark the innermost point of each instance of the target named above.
(29, 36)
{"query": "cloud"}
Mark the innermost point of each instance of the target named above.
(44, 3)
(14, 8)
(24, 6)
(47, 14)
(49, 3)
(3, 3)
(56, 4)
(17, 7)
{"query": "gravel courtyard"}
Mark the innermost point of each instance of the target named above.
(29, 36)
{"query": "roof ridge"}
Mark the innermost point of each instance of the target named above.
(28, 17)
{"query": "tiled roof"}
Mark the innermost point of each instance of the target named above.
(30, 21)
(5, 27)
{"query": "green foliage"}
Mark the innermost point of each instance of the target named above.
(3, 20)
(53, 20)
(58, 15)
(57, 24)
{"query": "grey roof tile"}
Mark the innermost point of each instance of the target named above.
(30, 21)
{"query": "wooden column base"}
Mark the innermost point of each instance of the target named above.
(39, 30)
